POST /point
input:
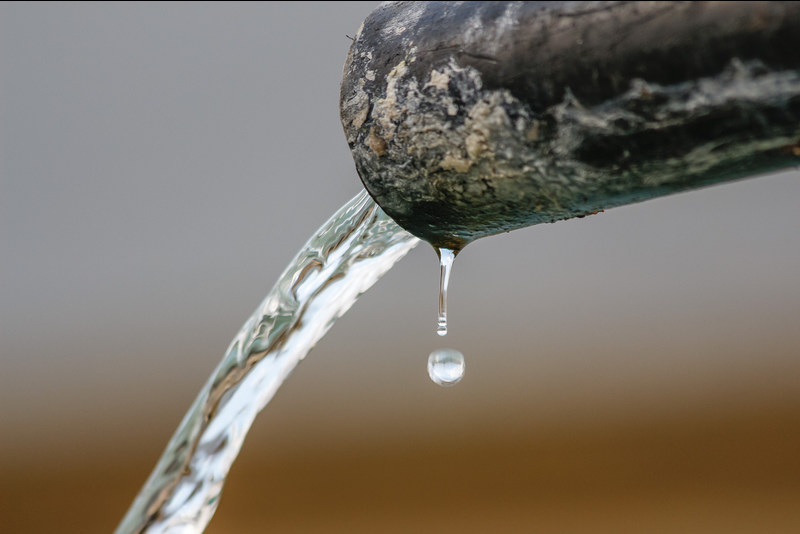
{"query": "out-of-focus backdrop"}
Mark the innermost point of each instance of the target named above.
(634, 371)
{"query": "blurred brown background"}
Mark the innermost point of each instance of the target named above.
(635, 371)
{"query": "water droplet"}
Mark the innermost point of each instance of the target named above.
(446, 257)
(446, 366)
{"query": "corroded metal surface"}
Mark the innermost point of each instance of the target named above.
(470, 119)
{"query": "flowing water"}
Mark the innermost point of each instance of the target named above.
(346, 256)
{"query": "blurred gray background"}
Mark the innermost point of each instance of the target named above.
(162, 163)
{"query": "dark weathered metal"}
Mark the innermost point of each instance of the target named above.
(470, 119)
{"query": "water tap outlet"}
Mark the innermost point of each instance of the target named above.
(467, 119)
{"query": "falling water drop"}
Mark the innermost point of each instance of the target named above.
(446, 366)
(446, 257)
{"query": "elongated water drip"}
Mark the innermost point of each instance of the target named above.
(446, 258)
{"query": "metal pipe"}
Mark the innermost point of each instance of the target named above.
(466, 119)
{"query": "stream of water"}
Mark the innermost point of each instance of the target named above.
(346, 256)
